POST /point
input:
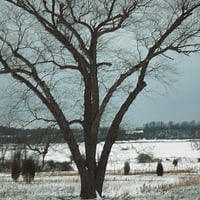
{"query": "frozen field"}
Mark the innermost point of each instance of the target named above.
(166, 150)
(140, 185)
(65, 186)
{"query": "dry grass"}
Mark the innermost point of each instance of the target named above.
(175, 171)
(159, 188)
(189, 180)
(57, 173)
(178, 171)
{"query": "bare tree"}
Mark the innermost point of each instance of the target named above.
(77, 57)
(41, 144)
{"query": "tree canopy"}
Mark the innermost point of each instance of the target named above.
(73, 58)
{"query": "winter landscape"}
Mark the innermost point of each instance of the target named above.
(178, 182)
(91, 65)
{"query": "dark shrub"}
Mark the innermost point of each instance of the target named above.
(63, 166)
(159, 169)
(15, 169)
(58, 166)
(51, 165)
(28, 170)
(126, 168)
(144, 158)
(175, 162)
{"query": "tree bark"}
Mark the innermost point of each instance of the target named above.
(88, 188)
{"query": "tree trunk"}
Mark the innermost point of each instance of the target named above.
(88, 188)
(43, 156)
(101, 168)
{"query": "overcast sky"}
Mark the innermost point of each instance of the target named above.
(180, 102)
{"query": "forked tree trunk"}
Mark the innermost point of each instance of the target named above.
(90, 186)
(101, 168)
(92, 178)
(88, 189)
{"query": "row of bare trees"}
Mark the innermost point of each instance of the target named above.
(80, 62)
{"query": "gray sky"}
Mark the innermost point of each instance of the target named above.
(180, 102)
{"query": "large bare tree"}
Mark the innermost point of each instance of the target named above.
(79, 57)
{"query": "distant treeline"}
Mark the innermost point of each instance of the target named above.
(19, 135)
(171, 130)
(152, 130)
(42, 135)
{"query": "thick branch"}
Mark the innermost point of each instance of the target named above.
(114, 87)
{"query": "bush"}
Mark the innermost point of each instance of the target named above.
(28, 170)
(144, 158)
(159, 169)
(15, 169)
(63, 166)
(126, 168)
(58, 166)
(175, 162)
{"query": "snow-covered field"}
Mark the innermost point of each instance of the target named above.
(166, 150)
(137, 185)
(66, 186)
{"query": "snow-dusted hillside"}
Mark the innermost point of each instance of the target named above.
(165, 150)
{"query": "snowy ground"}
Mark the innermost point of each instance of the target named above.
(166, 150)
(119, 187)
(145, 186)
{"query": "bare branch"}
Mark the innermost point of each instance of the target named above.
(104, 63)
(76, 121)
